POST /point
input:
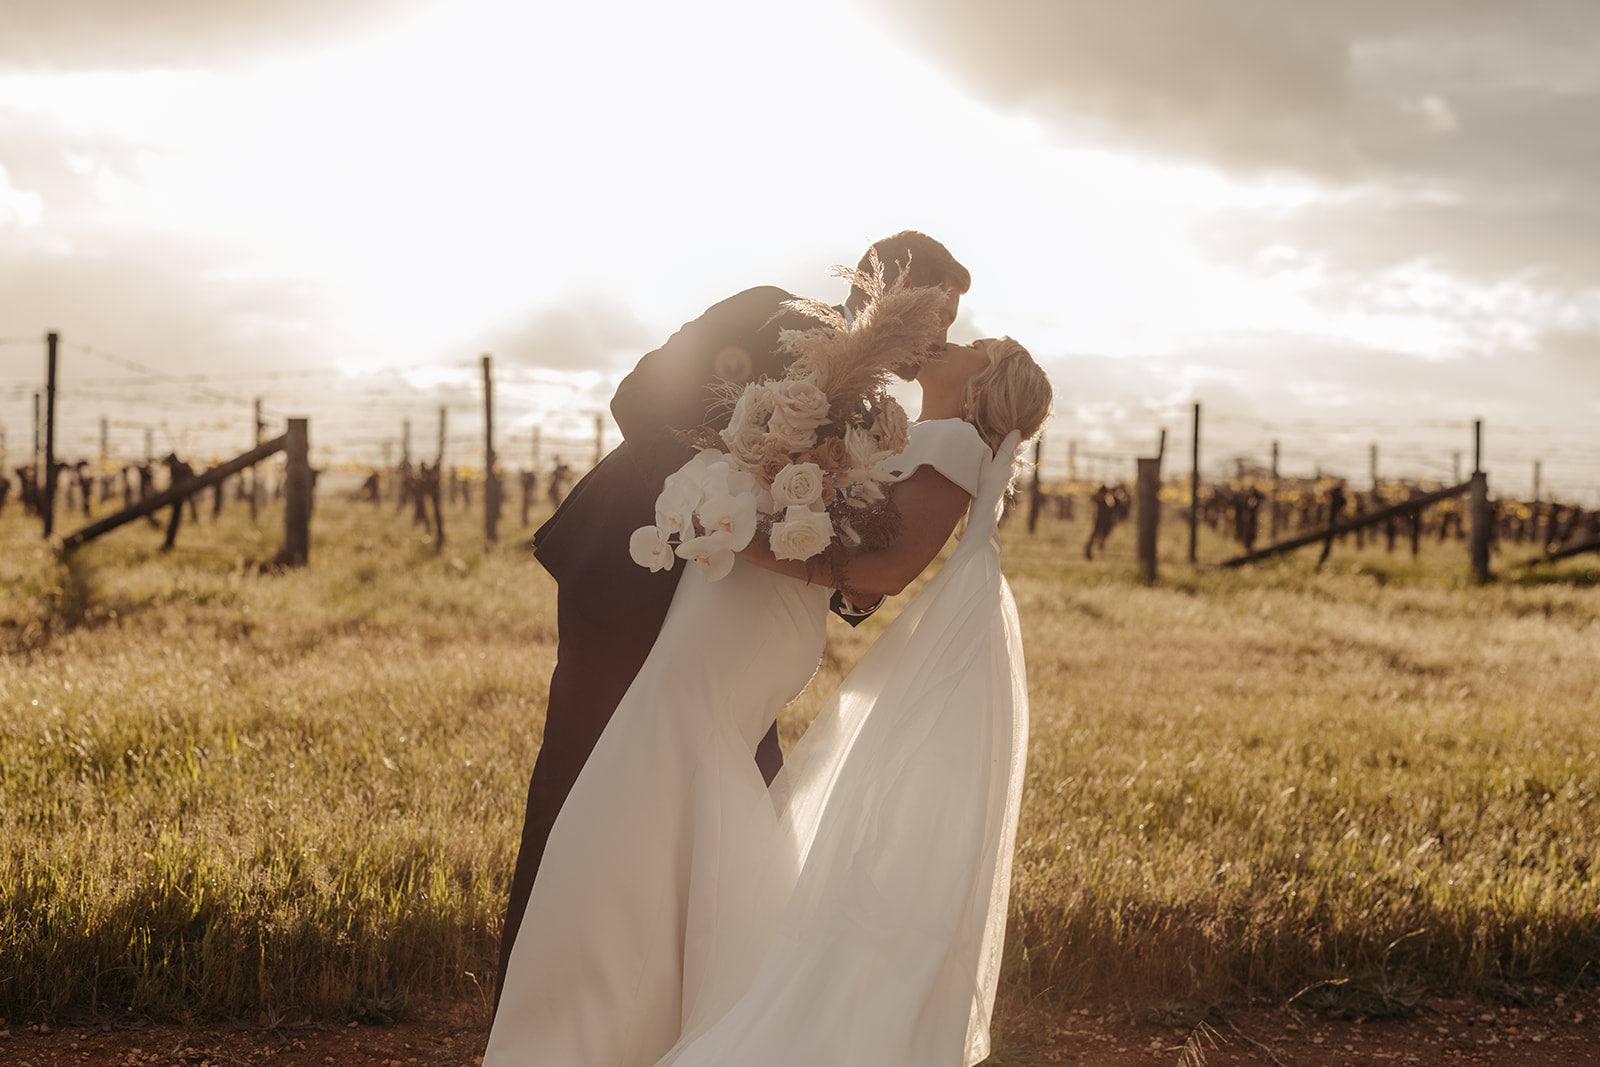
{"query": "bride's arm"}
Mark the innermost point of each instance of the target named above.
(930, 505)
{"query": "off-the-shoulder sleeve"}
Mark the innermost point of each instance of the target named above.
(950, 446)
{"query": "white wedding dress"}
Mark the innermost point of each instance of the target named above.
(855, 914)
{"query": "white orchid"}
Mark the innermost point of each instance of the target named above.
(711, 554)
(650, 548)
(733, 514)
(676, 505)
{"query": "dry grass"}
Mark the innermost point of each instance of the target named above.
(269, 795)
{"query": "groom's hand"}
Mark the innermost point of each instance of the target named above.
(848, 611)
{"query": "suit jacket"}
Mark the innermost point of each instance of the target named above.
(586, 541)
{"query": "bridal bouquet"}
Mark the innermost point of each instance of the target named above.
(797, 462)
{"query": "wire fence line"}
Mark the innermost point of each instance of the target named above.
(1565, 459)
(359, 422)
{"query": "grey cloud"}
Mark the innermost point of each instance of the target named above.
(125, 306)
(1472, 123)
(1544, 244)
(158, 304)
(141, 34)
(1333, 89)
(38, 158)
(1253, 82)
(593, 332)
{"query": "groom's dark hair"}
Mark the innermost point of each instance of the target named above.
(931, 264)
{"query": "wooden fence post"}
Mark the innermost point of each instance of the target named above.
(255, 472)
(437, 489)
(1274, 518)
(1194, 488)
(297, 496)
(1480, 519)
(1149, 507)
(491, 485)
(46, 479)
(1035, 497)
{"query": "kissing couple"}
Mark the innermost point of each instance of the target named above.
(682, 894)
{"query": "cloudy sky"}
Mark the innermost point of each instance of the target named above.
(1331, 224)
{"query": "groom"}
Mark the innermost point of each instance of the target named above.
(608, 608)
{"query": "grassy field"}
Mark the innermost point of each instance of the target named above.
(232, 793)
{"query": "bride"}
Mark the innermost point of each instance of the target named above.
(855, 913)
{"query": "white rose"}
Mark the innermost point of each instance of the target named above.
(799, 403)
(650, 548)
(711, 555)
(753, 407)
(745, 443)
(675, 507)
(733, 514)
(798, 485)
(791, 438)
(801, 535)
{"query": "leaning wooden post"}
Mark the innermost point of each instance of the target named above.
(491, 488)
(599, 438)
(297, 495)
(1149, 501)
(46, 479)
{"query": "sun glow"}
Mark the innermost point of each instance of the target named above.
(422, 190)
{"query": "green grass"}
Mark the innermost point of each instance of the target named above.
(231, 792)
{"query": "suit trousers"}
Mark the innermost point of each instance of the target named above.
(598, 654)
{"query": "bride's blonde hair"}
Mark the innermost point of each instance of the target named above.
(1012, 393)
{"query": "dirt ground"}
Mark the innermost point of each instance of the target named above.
(1564, 1030)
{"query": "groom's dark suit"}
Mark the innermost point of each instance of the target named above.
(608, 608)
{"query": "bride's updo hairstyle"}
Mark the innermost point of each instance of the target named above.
(1012, 393)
